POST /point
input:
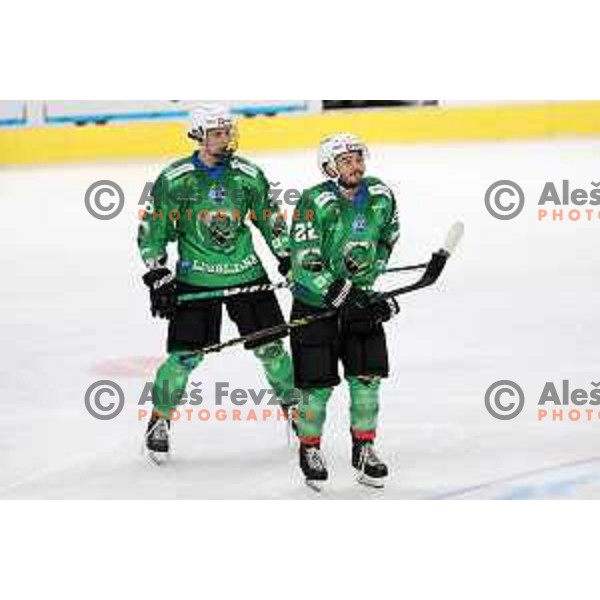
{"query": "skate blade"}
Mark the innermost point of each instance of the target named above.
(315, 484)
(367, 481)
(157, 458)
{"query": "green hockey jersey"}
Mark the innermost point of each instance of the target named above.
(337, 238)
(207, 210)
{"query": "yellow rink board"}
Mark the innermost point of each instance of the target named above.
(67, 143)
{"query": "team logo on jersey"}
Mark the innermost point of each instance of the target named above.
(223, 230)
(359, 224)
(358, 257)
(217, 194)
(311, 260)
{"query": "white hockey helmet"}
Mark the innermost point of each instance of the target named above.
(209, 116)
(335, 145)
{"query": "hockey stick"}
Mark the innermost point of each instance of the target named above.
(436, 264)
(432, 273)
(234, 291)
(407, 268)
(265, 287)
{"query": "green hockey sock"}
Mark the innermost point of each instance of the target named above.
(171, 380)
(277, 365)
(312, 411)
(364, 404)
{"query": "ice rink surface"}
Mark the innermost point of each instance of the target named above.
(519, 301)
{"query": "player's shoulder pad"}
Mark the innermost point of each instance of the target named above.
(321, 196)
(177, 169)
(237, 163)
(376, 187)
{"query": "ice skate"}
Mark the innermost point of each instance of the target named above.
(372, 471)
(313, 466)
(157, 440)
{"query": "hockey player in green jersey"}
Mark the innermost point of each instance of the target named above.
(203, 203)
(336, 257)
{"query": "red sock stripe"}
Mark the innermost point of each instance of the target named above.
(363, 436)
(310, 440)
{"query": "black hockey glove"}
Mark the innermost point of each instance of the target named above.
(363, 321)
(383, 309)
(163, 294)
(360, 312)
